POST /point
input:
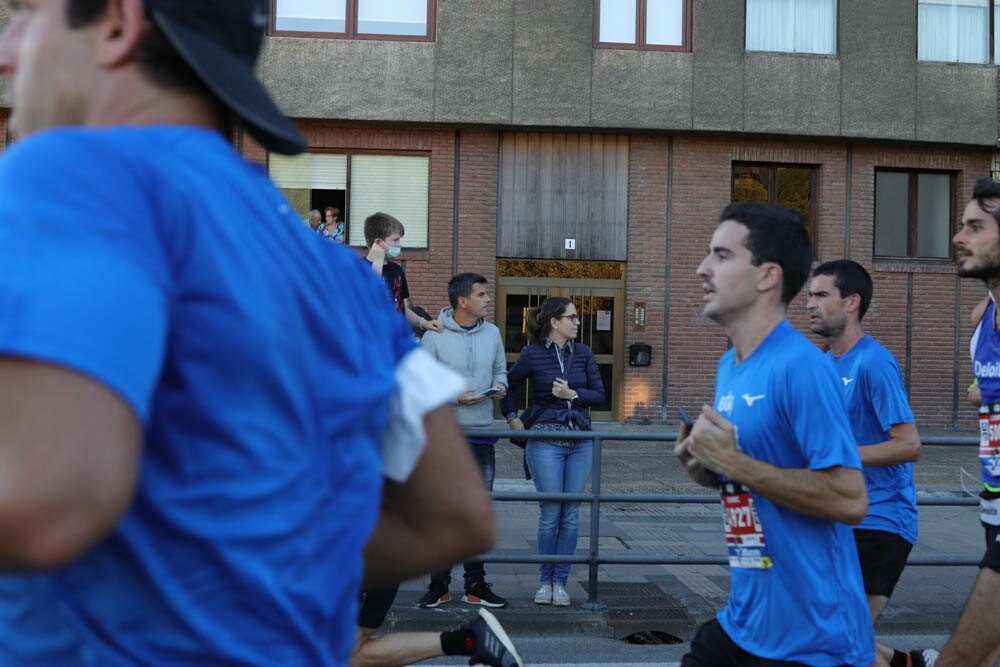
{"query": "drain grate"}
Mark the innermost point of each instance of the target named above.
(635, 608)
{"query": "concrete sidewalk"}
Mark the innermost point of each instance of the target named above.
(677, 599)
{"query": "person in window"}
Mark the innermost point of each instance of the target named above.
(564, 384)
(332, 226)
(314, 220)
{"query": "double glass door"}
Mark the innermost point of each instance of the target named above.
(600, 305)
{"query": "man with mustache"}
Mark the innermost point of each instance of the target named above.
(778, 444)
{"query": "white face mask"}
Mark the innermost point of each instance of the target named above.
(392, 252)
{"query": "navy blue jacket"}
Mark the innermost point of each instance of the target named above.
(540, 364)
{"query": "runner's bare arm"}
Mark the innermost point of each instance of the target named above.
(835, 493)
(69, 452)
(903, 446)
(441, 514)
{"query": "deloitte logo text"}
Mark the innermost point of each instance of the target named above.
(989, 370)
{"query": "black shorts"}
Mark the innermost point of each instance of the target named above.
(712, 647)
(375, 604)
(992, 557)
(883, 556)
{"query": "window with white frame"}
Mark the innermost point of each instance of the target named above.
(913, 214)
(958, 31)
(383, 19)
(359, 185)
(792, 26)
(643, 24)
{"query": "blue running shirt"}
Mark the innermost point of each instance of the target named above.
(876, 401)
(160, 264)
(985, 348)
(809, 606)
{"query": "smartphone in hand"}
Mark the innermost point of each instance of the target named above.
(488, 392)
(685, 418)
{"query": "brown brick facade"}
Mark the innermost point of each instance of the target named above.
(677, 187)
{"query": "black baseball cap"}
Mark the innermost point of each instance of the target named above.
(220, 40)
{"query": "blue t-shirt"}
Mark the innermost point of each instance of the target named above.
(160, 264)
(809, 606)
(985, 348)
(876, 401)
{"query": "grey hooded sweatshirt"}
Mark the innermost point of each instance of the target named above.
(477, 355)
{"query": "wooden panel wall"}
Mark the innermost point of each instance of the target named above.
(555, 187)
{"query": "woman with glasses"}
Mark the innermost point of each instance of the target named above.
(564, 383)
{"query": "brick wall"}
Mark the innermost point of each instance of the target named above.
(678, 186)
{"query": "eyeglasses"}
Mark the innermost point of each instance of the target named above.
(575, 318)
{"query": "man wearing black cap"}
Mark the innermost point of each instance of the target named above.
(191, 447)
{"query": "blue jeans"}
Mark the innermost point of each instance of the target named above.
(556, 469)
(485, 456)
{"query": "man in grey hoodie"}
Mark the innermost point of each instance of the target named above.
(473, 348)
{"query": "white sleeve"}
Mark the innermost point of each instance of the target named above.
(424, 384)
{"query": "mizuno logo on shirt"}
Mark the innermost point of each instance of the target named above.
(847, 381)
(752, 399)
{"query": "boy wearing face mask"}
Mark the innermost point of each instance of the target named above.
(383, 234)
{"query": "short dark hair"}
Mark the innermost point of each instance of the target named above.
(776, 235)
(462, 285)
(539, 320)
(849, 278)
(380, 226)
(156, 56)
(987, 189)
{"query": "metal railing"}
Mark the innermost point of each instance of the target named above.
(595, 497)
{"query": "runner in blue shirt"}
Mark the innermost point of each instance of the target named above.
(778, 444)
(976, 639)
(195, 428)
(884, 429)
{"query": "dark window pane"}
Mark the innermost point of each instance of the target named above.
(891, 213)
(750, 183)
(933, 215)
(795, 191)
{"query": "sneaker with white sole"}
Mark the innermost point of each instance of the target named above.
(493, 647)
(437, 593)
(560, 598)
(544, 594)
(482, 593)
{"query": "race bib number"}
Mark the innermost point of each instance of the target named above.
(989, 443)
(744, 533)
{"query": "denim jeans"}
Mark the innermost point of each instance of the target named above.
(555, 469)
(485, 456)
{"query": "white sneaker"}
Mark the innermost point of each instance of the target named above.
(924, 658)
(560, 598)
(544, 594)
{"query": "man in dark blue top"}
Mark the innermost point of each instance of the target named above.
(976, 640)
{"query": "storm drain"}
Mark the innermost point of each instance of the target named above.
(641, 613)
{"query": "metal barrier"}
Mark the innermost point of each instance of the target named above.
(595, 497)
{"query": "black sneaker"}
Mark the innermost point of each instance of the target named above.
(493, 646)
(437, 593)
(482, 593)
